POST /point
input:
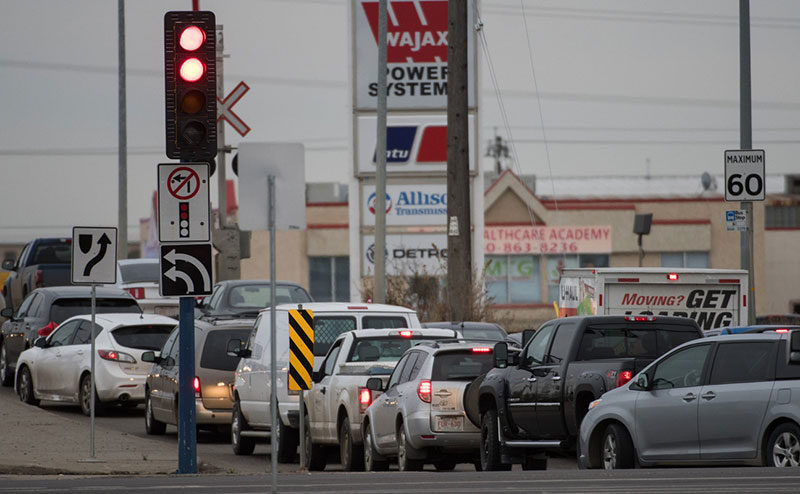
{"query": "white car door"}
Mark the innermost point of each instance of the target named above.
(76, 356)
(49, 367)
(322, 425)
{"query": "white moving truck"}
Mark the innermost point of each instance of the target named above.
(712, 297)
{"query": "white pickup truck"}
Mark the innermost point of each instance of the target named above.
(338, 398)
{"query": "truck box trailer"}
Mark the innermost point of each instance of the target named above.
(712, 297)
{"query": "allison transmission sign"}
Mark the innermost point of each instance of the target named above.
(416, 54)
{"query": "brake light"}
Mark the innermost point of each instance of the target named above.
(357, 307)
(481, 349)
(624, 377)
(364, 399)
(196, 384)
(116, 356)
(640, 318)
(39, 278)
(406, 334)
(782, 330)
(672, 277)
(424, 391)
(137, 293)
(46, 330)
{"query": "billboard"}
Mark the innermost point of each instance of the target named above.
(407, 254)
(407, 204)
(416, 54)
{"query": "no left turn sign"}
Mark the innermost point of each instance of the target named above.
(183, 202)
(183, 183)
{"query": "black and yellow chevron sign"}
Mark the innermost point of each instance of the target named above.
(301, 349)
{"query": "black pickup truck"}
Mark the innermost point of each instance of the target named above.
(534, 401)
(43, 262)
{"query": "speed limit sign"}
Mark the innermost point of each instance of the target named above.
(744, 175)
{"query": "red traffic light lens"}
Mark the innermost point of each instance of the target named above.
(192, 70)
(192, 38)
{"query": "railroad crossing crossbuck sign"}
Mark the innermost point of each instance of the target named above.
(301, 349)
(185, 270)
(183, 211)
(225, 109)
(94, 255)
(744, 175)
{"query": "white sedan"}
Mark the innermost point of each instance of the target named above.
(58, 367)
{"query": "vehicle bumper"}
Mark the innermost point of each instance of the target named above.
(113, 385)
(420, 435)
(211, 416)
(289, 412)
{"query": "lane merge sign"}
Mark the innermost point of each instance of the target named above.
(94, 255)
(185, 270)
(183, 202)
(745, 179)
(301, 349)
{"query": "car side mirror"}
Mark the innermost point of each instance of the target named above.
(149, 356)
(527, 334)
(234, 349)
(200, 302)
(8, 264)
(643, 382)
(40, 342)
(317, 376)
(793, 347)
(7, 312)
(501, 354)
(375, 384)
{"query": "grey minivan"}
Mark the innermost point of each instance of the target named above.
(720, 400)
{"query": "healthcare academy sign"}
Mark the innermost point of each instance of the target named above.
(416, 54)
(547, 239)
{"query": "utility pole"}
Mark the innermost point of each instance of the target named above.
(379, 284)
(459, 234)
(122, 188)
(746, 138)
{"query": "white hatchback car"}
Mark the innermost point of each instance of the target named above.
(57, 367)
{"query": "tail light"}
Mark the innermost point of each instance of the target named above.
(624, 377)
(39, 278)
(640, 318)
(196, 385)
(424, 391)
(137, 293)
(116, 356)
(782, 330)
(406, 334)
(672, 277)
(481, 349)
(46, 330)
(364, 399)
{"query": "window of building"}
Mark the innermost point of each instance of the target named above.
(513, 279)
(685, 260)
(556, 265)
(780, 216)
(329, 278)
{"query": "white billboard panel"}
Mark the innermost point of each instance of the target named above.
(407, 254)
(407, 204)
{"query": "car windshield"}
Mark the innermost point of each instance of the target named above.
(140, 272)
(383, 349)
(462, 365)
(63, 309)
(143, 337)
(256, 297)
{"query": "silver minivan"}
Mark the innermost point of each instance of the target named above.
(720, 400)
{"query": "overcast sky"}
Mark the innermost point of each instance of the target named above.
(621, 84)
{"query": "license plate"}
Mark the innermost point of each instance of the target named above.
(450, 423)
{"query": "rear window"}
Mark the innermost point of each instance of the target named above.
(63, 309)
(327, 329)
(484, 333)
(384, 322)
(55, 253)
(215, 350)
(463, 365)
(143, 337)
(140, 272)
(385, 349)
(258, 296)
(604, 343)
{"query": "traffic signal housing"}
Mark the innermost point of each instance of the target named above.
(190, 70)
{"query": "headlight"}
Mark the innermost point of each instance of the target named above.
(595, 403)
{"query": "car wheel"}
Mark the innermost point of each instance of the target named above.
(314, 453)
(490, 443)
(444, 465)
(288, 438)
(352, 458)
(241, 445)
(85, 397)
(6, 375)
(405, 463)
(25, 387)
(617, 448)
(152, 426)
(373, 462)
(783, 449)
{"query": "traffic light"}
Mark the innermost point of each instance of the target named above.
(190, 71)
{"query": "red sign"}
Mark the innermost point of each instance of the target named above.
(183, 183)
(416, 31)
(547, 239)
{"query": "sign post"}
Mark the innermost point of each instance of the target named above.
(94, 261)
(301, 362)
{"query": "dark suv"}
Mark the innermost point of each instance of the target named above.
(44, 309)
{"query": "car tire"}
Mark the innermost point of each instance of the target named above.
(288, 439)
(351, 456)
(617, 448)
(152, 426)
(373, 461)
(25, 387)
(444, 465)
(404, 450)
(490, 443)
(85, 397)
(783, 447)
(241, 445)
(314, 453)
(6, 374)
